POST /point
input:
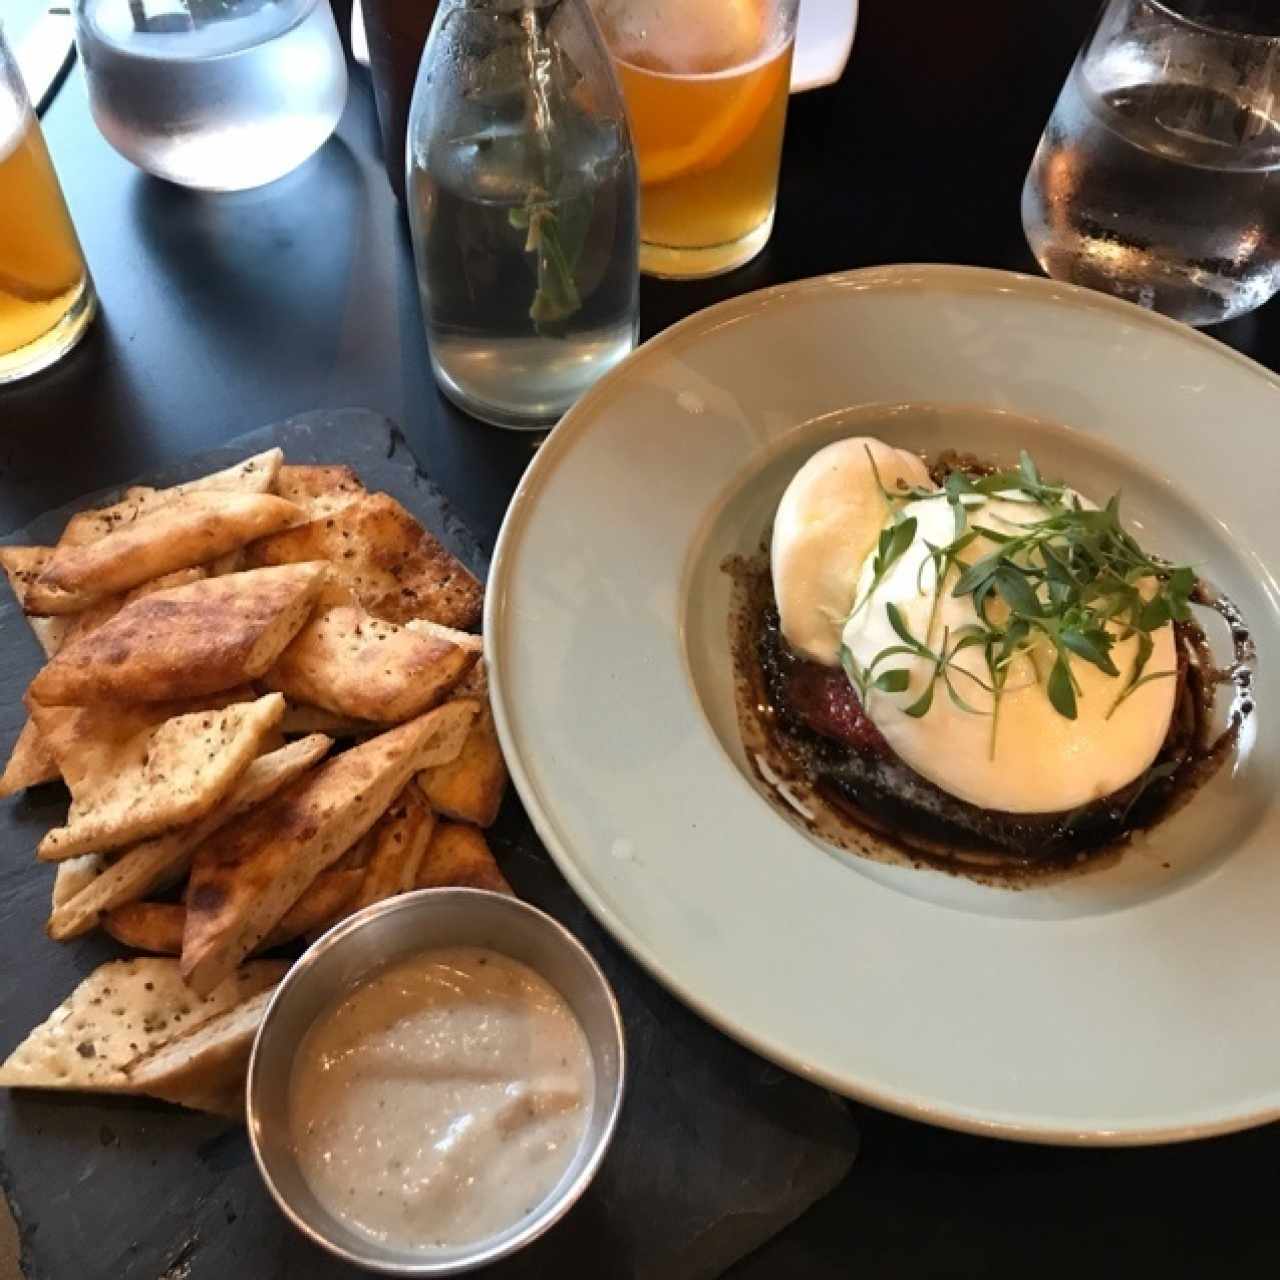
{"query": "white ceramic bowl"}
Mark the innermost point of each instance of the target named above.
(1137, 1003)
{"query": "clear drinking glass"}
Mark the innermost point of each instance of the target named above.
(522, 201)
(1156, 178)
(706, 84)
(46, 297)
(214, 94)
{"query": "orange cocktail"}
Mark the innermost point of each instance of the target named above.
(706, 84)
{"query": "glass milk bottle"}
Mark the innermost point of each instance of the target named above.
(522, 199)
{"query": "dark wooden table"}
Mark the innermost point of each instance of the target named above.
(220, 314)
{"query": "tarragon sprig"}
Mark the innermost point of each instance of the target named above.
(557, 296)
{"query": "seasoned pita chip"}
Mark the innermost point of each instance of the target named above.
(459, 857)
(400, 839)
(253, 475)
(123, 1011)
(470, 788)
(251, 872)
(163, 860)
(86, 742)
(158, 926)
(105, 609)
(30, 762)
(187, 641)
(191, 530)
(464, 639)
(74, 875)
(319, 490)
(22, 566)
(301, 718)
(384, 559)
(356, 665)
(160, 778)
(205, 1068)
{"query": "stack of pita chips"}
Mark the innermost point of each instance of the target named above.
(267, 703)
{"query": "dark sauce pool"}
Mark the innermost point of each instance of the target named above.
(856, 794)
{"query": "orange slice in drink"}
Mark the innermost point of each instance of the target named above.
(690, 123)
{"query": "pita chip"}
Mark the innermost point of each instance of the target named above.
(86, 741)
(250, 873)
(301, 718)
(147, 926)
(73, 876)
(191, 530)
(319, 490)
(459, 857)
(164, 859)
(90, 619)
(400, 838)
(30, 762)
(158, 926)
(22, 566)
(187, 641)
(349, 662)
(470, 788)
(156, 779)
(253, 475)
(357, 857)
(205, 1068)
(385, 560)
(466, 639)
(122, 1011)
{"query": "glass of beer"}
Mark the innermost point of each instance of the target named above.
(46, 297)
(706, 85)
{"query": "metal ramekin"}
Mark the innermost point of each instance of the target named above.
(355, 949)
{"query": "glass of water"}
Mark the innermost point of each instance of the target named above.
(220, 95)
(1158, 175)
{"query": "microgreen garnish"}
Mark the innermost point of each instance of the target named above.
(1070, 584)
(894, 540)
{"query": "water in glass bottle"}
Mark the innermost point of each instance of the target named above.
(522, 199)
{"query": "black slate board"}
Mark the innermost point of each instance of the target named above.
(716, 1149)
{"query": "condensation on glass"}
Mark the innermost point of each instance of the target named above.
(1158, 175)
(219, 95)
